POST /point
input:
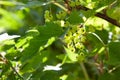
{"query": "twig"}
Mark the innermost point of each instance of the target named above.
(100, 15)
(14, 70)
(105, 17)
(59, 5)
(84, 71)
(6, 61)
(99, 39)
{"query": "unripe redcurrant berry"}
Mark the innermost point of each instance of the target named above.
(77, 2)
(72, 49)
(81, 31)
(82, 38)
(61, 15)
(79, 46)
(81, 56)
(72, 3)
(48, 16)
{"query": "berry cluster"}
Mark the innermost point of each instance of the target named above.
(74, 38)
(75, 34)
(74, 3)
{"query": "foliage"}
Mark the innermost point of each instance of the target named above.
(59, 40)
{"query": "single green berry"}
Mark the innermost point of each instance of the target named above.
(72, 49)
(61, 15)
(66, 24)
(81, 56)
(82, 38)
(76, 40)
(81, 31)
(58, 16)
(72, 3)
(77, 2)
(79, 46)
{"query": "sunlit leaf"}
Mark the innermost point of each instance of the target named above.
(72, 56)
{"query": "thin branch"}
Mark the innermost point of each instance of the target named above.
(59, 5)
(105, 17)
(99, 39)
(84, 71)
(100, 15)
(14, 70)
(6, 61)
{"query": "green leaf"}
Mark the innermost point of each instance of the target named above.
(88, 13)
(72, 56)
(5, 69)
(95, 43)
(51, 75)
(10, 3)
(50, 30)
(35, 62)
(21, 42)
(114, 53)
(8, 18)
(43, 39)
(12, 54)
(102, 3)
(63, 58)
(103, 34)
(75, 18)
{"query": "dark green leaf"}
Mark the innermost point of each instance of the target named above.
(114, 53)
(103, 34)
(75, 18)
(46, 32)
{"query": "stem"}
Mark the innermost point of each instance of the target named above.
(8, 62)
(59, 5)
(107, 18)
(84, 71)
(99, 39)
(64, 59)
(100, 15)
(107, 53)
(14, 70)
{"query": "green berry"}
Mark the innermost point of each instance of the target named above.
(48, 16)
(73, 29)
(77, 2)
(79, 46)
(81, 56)
(61, 15)
(81, 31)
(83, 38)
(58, 16)
(76, 40)
(67, 24)
(72, 49)
(72, 3)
